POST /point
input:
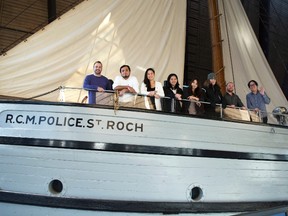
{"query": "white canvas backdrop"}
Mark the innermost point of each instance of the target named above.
(141, 33)
(243, 57)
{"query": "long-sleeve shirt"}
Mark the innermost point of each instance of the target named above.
(132, 82)
(213, 95)
(159, 90)
(258, 101)
(91, 83)
(167, 104)
(231, 100)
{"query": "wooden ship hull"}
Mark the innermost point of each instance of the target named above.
(94, 158)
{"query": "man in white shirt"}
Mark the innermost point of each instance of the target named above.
(127, 85)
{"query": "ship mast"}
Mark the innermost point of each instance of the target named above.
(216, 44)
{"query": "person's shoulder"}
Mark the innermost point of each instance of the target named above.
(249, 94)
(179, 89)
(118, 77)
(89, 75)
(158, 83)
(209, 88)
(166, 88)
(133, 78)
(236, 95)
(217, 86)
(104, 77)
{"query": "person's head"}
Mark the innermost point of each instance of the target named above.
(230, 87)
(149, 76)
(97, 68)
(125, 71)
(194, 87)
(194, 83)
(212, 78)
(172, 81)
(253, 86)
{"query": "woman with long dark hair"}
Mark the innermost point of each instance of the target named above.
(152, 89)
(194, 94)
(213, 96)
(175, 93)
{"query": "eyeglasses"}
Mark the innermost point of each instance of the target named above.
(253, 84)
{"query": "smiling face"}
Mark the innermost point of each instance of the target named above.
(97, 69)
(173, 81)
(150, 75)
(194, 84)
(230, 87)
(125, 72)
(253, 87)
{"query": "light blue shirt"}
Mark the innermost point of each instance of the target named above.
(258, 101)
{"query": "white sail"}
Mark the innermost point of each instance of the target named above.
(142, 34)
(243, 57)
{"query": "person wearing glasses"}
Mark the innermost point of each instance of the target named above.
(257, 100)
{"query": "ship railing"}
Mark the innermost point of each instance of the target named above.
(242, 113)
(203, 108)
(141, 101)
(278, 115)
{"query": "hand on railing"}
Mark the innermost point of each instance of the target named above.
(255, 114)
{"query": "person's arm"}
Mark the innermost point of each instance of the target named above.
(219, 94)
(224, 102)
(135, 86)
(159, 89)
(210, 97)
(179, 93)
(120, 88)
(87, 85)
(239, 102)
(248, 101)
(266, 98)
(116, 85)
(264, 95)
(143, 89)
(168, 92)
(109, 84)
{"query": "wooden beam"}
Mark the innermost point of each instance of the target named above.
(216, 44)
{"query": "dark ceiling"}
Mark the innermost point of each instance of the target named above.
(22, 18)
(269, 19)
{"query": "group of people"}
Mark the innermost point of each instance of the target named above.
(171, 97)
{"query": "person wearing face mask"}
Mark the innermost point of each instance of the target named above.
(257, 100)
(153, 89)
(95, 82)
(174, 92)
(126, 85)
(212, 95)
